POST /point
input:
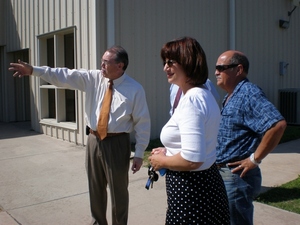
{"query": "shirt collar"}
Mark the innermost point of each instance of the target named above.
(236, 89)
(120, 79)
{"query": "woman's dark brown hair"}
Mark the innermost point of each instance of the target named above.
(189, 54)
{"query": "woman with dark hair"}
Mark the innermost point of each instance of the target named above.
(195, 189)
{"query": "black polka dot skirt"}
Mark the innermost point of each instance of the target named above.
(197, 197)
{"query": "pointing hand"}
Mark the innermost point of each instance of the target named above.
(21, 69)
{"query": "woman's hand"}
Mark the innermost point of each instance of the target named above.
(157, 157)
(158, 150)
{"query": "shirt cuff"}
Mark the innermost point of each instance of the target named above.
(139, 154)
(38, 71)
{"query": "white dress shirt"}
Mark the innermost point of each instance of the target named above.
(193, 128)
(129, 110)
(209, 85)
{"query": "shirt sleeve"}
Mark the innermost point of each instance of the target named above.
(141, 123)
(64, 77)
(192, 130)
(260, 113)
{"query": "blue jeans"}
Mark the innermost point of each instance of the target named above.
(241, 192)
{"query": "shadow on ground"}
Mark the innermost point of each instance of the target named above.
(8, 130)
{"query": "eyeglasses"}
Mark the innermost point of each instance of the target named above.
(169, 63)
(221, 68)
(106, 62)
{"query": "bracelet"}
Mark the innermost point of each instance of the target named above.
(252, 159)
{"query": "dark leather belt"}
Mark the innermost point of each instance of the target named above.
(108, 134)
(114, 134)
(222, 165)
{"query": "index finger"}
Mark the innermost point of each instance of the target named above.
(237, 163)
(12, 66)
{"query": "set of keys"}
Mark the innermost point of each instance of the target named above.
(153, 176)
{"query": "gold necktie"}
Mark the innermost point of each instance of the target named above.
(104, 112)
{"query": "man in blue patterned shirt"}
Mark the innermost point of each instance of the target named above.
(250, 129)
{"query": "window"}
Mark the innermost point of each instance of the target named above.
(57, 105)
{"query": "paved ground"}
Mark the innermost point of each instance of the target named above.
(43, 182)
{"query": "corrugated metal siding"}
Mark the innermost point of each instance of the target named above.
(3, 22)
(31, 18)
(266, 44)
(143, 26)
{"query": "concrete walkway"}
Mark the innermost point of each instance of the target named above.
(43, 182)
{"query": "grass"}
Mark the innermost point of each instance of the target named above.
(286, 196)
(152, 144)
(290, 133)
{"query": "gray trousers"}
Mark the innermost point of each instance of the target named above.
(107, 163)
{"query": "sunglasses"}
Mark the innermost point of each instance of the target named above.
(169, 63)
(221, 68)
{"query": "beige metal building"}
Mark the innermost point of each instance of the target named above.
(75, 34)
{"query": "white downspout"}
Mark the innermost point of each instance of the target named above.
(110, 21)
(232, 24)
